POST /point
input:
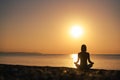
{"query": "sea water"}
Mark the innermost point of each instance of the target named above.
(101, 61)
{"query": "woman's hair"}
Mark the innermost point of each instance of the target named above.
(83, 48)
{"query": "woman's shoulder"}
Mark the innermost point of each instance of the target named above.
(87, 53)
(79, 53)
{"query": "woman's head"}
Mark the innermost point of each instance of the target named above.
(83, 48)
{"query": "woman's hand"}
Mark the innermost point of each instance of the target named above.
(92, 62)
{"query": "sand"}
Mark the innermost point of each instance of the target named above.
(20, 72)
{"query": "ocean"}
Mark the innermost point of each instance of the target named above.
(101, 61)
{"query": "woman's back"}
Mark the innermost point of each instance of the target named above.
(83, 58)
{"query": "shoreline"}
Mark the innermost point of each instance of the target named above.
(21, 72)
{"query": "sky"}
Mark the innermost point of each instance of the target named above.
(44, 26)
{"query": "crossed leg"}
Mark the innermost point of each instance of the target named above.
(87, 67)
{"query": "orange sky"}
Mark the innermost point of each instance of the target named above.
(44, 26)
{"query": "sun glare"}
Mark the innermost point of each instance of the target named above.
(74, 57)
(76, 31)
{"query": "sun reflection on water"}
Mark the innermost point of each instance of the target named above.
(74, 57)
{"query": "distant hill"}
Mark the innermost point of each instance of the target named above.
(20, 53)
(27, 54)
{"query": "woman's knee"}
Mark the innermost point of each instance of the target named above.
(90, 65)
(77, 65)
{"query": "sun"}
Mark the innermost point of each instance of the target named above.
(76, 31)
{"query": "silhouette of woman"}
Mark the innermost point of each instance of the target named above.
(83, 56)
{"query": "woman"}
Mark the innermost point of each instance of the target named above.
(83, 56)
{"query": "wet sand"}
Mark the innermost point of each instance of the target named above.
(20, 72)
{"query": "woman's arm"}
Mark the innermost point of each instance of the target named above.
(89, 59)
(77, 60)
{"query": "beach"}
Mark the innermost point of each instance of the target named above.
(21, 72)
